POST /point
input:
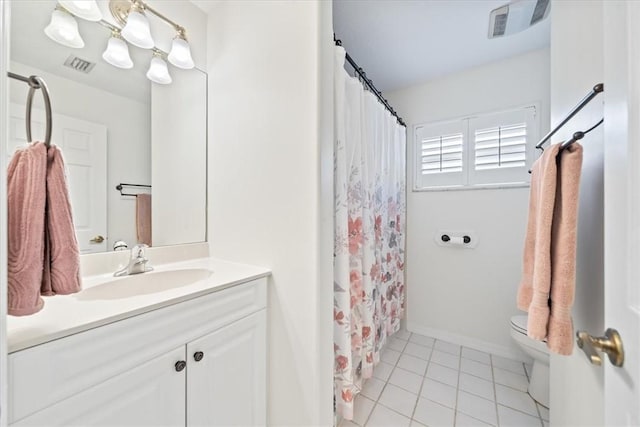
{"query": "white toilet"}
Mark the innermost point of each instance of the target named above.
(539, 378)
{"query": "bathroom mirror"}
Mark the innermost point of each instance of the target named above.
(115, 127)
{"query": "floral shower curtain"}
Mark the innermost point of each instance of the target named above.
(370, 210)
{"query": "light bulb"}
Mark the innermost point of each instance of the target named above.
(63, 29)
(158, 71)
(117, 52)
(180, 54)
(85, 9)
(137, 31)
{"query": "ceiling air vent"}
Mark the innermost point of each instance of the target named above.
(517, 16)
(79, 64)
(500, 21)
(540, 11)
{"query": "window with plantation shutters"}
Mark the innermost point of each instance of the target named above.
(442, 154)
(482, 151)
(501, 147)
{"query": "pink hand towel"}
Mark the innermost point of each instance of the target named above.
(26, 191)
(563, 251)
(533, 294)
(62, 256)
(548, 281)
(143, 218)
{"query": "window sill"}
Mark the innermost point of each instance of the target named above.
(500, 186)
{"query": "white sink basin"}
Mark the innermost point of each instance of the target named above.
(143, 284)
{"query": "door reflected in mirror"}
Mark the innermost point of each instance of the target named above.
(114, 127)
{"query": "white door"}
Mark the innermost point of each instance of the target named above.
(84, 146)
(226, 382)
(622, 207)
(150, 395)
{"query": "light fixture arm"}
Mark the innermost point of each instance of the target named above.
(110, 26)
(177, 27)
(159, 53)
(121, 8)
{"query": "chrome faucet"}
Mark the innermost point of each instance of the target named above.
(137, 262)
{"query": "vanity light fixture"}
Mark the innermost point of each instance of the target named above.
(63, 28)
(133, 28)
(85, 9)
(158, 71)
(125, 10)
(137, 31)
(180, 54)
(117, 52)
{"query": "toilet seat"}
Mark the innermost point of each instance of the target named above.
(519, 324)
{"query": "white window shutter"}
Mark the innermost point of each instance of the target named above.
(483, 151)
(440, 154)
(502, 147)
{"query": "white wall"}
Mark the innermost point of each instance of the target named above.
(468, 295)
(179, 159)
(270, 168)
(128, 139)
(4, 137)
(576, 66)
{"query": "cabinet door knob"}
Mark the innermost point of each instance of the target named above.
(180, 365)
(198, 355)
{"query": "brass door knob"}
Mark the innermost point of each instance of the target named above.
(97, 239)
(610, 343)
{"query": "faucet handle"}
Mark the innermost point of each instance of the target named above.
(138, 250)
(120, 245)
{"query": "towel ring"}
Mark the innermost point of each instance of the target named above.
(36, 82)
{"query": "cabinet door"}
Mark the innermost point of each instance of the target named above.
(150, 395)
(227, 387)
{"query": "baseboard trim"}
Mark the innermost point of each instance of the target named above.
(474, 343)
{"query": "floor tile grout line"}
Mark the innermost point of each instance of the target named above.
(518, 410)
(534, 401)
(476, 376)
(384, 387)
(458, 390)
(455, 409)
(402, 388)
(538, 405)
(424, 378)
(495, 391)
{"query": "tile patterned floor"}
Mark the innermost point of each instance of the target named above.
(422, 381)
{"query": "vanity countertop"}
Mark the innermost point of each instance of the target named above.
(64, 315)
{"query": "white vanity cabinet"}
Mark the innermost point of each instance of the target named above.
(200, 362)
(228, 383)
(149, 395)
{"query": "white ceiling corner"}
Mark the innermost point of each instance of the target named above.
(400, 43)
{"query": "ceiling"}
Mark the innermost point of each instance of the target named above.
(400, 43)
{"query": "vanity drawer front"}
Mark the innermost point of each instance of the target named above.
(43, 375)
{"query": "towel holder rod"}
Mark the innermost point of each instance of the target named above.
(579, 135)
(592, 94)
(35, 83)
(120, 186)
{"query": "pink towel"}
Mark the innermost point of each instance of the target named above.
(26, 193)
(143, 218)
(548, 281)
(62, 256)
(43, 251)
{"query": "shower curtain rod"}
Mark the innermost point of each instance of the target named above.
(369, 83)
